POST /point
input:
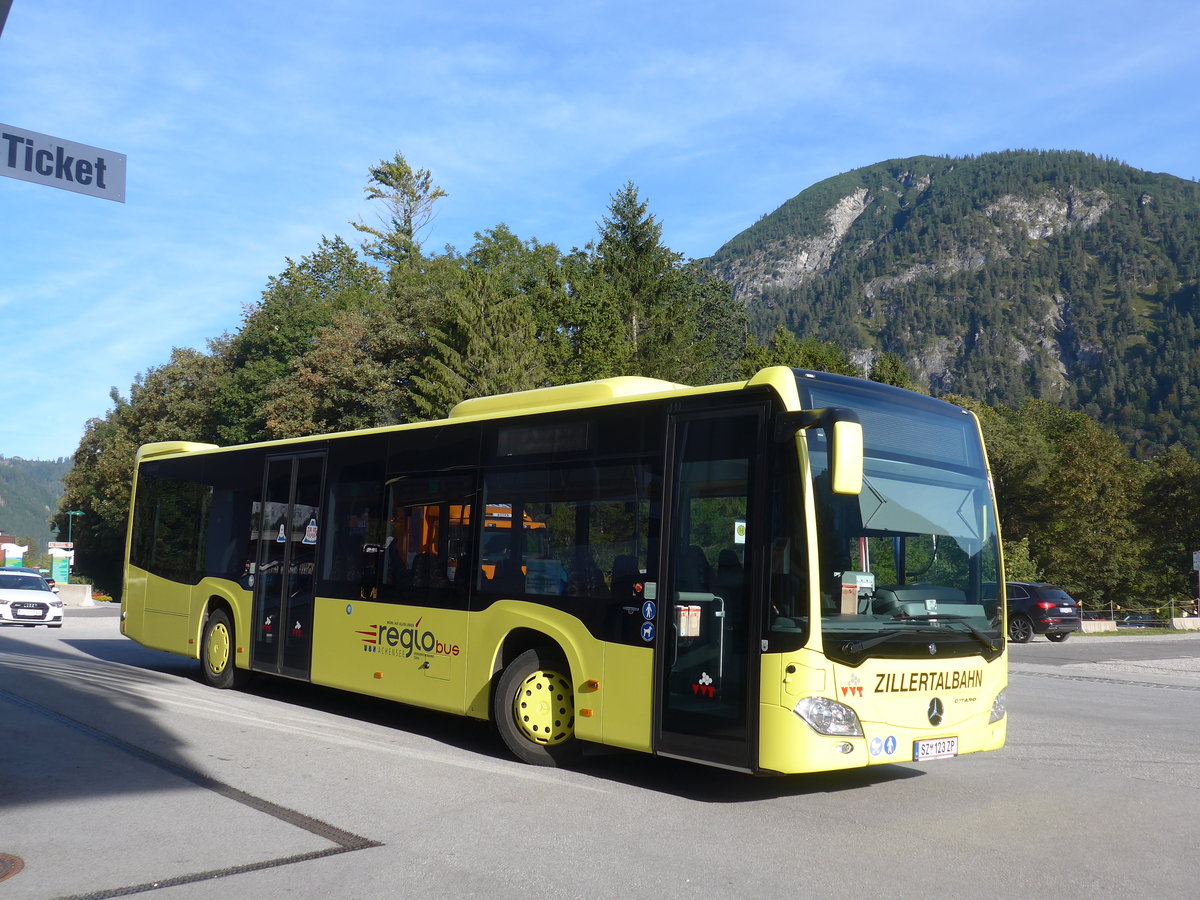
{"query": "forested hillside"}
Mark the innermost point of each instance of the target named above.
(1051, 275)
(29, 493)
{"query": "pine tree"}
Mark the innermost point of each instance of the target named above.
(408, 195)
(635, 310)
(487, 342)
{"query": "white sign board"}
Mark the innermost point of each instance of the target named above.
(1196, 560)
(29, 156)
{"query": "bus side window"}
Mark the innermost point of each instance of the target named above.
(579, 532)
(428, 541)
(352, 535)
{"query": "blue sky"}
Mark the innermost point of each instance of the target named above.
(249, 128)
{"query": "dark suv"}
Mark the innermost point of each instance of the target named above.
(1035, 608)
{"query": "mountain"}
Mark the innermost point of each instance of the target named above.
(29, 492)
(1057, 275)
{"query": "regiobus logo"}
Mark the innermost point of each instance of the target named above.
(405, 640)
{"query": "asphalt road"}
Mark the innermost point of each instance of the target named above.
(120, 772)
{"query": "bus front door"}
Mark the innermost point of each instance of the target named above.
(288, 536)
(706, 684)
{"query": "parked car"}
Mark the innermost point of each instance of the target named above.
(38, 572)
(1096, 615)
(26, 599)
(1141, 620)
(1038, 608)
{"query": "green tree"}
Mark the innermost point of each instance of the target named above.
(888, 368)
(1088, 539)
(306, 297)
(408, 197)
(172, 402)
(722, 322)
(488, 341)
(1021, 459)
(785, 349)
(343, 382)
(1019, 565)
(99, 486)
(635, 307)
(1170, 518)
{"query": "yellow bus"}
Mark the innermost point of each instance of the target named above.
(780, 575)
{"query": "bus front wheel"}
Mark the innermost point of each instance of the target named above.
(217, 652)
(534, 709)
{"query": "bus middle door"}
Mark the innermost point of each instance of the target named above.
(285, 572)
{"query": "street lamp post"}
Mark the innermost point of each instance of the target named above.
(71, 514)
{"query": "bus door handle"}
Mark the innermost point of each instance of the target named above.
(631, 610)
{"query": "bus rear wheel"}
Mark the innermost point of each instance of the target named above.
(534, 709)
(217, 652)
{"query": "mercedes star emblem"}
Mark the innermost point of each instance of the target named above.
(935, 712)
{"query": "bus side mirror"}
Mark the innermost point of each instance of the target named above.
(843, 441)
(846, 454)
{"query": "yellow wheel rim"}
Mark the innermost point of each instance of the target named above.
(544, 708)
(218, 649)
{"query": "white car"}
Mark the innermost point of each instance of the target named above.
(26, 599)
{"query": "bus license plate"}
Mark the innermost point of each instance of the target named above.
(937, 748)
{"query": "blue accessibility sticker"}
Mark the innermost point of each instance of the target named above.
(876, 746)
(647, 631)
(889, 746)
(648, 609)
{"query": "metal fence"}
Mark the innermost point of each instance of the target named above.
(1145, 616)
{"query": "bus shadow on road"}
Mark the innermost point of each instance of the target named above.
(703, 784)
(439, 727)
(691, 781)
(127, 653)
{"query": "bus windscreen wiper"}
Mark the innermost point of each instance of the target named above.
(859, 646)
(957, 620)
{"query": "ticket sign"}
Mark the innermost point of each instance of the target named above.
(29, 156)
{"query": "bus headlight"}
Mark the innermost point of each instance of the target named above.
(999, 709)
(826, 716)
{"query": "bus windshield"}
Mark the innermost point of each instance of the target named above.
(909, 563)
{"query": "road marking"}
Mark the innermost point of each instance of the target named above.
(1099, 680)
(343, 841)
